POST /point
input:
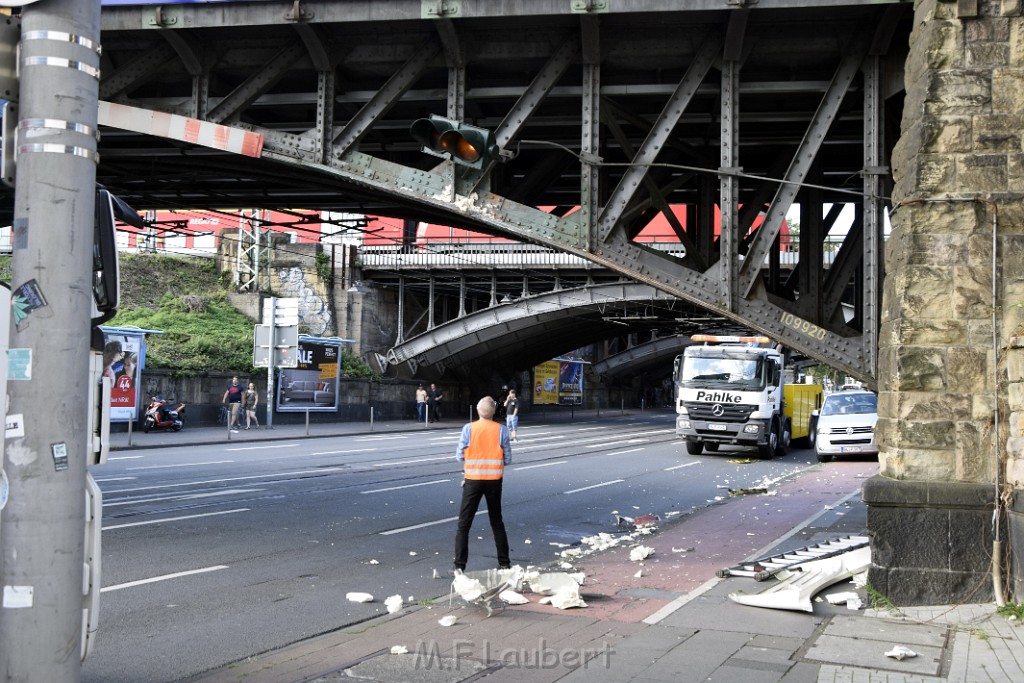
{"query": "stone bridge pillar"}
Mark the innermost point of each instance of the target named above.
(951, 349)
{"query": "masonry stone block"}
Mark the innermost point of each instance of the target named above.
(974, 446)
(998, 134)
(924, 405)
(1007, 87)
(986, 31)
(987, 54)
(981, 173)
(968, 370)
(919, 369)
(959, 91)
(934, 173)
(954, 135)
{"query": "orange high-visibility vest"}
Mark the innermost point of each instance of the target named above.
(484, 457)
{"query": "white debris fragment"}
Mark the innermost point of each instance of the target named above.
(551, 583)
(840, 598)
(683, 550)
(468, 588)
(673, 513)
(854, 603)
(512, 598)
(565, 565)
(393, 603)
(374, 562)
(527, 541)
(639, 574)
(412, 553)
(900, 652)
(558, 545)
(567, 599)
(399, 650)
(640, 552)
(358, 597)
(571, 552)
(448, 620)
(437, 574)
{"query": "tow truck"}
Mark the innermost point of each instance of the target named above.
(730, 390)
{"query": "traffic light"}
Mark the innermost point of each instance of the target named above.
(462, 143)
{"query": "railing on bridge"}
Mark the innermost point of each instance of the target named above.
(491, 252)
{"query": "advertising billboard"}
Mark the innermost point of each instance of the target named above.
(313, 383)
(558, 382)
(123, 359)
(545, 383)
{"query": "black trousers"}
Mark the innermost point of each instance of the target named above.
(472, 492)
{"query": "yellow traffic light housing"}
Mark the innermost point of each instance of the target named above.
(464, 144)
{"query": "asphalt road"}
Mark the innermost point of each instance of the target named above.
(215, 553)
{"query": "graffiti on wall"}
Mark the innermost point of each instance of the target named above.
(314, 309)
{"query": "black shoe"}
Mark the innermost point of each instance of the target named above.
(504, 566)
(457, 571)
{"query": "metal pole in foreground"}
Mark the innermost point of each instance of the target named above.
(273, 361)
(44, 520)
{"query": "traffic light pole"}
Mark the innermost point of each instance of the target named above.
(45, 448)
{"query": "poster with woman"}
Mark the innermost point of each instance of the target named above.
(121, 354)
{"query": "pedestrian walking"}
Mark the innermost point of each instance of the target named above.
(233, 399)
(485, 450)
(251, 400)
(421, 403)
(434, 397)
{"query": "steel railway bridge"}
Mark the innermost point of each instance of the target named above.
(607, 113)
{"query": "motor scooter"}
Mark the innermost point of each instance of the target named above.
(160, 415)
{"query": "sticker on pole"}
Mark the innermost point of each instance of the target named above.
(5, 489)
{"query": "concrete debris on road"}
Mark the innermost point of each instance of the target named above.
(358, 597)
(399, 650)
(640, 522)
(901, 652)
(448, 620)
(393, 603)
(640, 553)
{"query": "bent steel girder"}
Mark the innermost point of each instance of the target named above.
(613, 117)
(657, 352)
(484, 333)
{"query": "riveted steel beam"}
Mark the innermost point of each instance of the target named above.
(272, 71)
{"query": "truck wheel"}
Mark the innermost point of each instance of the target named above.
(812, 436)
(769, 449)
(784, 434)
(694, 447)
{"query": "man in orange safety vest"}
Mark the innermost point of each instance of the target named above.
(484, 449)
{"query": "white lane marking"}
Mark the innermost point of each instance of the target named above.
(543, 464)
(125, 457)
(407, 486)
(354, 450)
(165, 577)
(100, 481)
(227, 479)
(141, 500)
(596, 486)
(262, 448)
(173, 519)
(589, 429)
(676, 467)
(631, 450)
(425, 524)
(381, 438)
(409, 462)
(183, 464)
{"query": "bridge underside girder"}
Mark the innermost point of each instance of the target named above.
(614, 116)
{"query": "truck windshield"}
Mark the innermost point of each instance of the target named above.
(737, 372)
